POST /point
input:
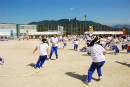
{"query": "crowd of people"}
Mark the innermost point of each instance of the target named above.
(95, 46)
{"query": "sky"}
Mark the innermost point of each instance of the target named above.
(108, 12)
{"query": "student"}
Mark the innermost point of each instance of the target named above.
(40, 37)
(89, 39)
(23, 37)
(113, 44)
(1, 60)
(103, 41)
(108, 41)
(64, 41)
(124, 43)
(19, 38)
(34, 37)
(44, 51)
(98, 57)
(85, 48)
(76, 44)
(47, 40)
(54, 41)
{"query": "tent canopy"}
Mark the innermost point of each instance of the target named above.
(43, 33)
(104, 32)
(4, 34)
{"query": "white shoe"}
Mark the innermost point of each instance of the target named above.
(36, 67)
(2, 61)
(41, 67)
(100, 77)
(87, 83)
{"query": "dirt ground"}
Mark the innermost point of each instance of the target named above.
(70, 70)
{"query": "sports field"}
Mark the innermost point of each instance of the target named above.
(70, 70)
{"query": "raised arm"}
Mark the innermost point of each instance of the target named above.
(35, 50)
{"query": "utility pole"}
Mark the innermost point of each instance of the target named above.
(85, 21)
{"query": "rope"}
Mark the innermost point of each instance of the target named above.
(22, 75)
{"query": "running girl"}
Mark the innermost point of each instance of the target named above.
(64, 41)
(44, 50)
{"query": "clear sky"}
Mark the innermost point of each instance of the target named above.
(101, 11)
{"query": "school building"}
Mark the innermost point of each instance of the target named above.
(15, 30)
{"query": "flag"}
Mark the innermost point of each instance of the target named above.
(12, 34)
(74, 19)
(123, 32)
(70, 19)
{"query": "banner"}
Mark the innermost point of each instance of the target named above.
(61, 29)
(91, 30)
(123, 32)
(12, 34)
(27, 34)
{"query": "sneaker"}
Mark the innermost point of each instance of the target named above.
(87, 83)
(41, 67)
(35, 67)
(100, 77)
(2, 61)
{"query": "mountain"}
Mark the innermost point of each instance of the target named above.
(77, 26)
(62, 22)
(121, 26)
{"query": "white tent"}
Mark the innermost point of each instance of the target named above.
(44, 33)
(104, 32)
(4, 34)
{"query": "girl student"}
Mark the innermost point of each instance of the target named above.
(44, 51)
(113, 44)
(124, 43)
(64, 41)
(76, 43)
(98, 57)
(54, 41)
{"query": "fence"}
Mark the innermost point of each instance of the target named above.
(81, 28)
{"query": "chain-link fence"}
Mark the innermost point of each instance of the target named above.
(81, 28)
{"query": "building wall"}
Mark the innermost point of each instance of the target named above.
(23, 28)
(6, 29)
(18, 29)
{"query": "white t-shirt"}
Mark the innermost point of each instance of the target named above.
(64, 39)
(103, 41)
(109, 38)
(54, 40)
(43, 48)
(74, 37)
(97, 53)
(60, 37)
(76, 42)
(124, 41)
(114, 40)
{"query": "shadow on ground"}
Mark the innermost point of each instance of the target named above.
(32, 64)
(80, 77)
(123, 63)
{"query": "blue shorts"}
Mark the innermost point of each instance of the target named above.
(65, 44)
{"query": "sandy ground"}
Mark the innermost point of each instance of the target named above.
(70, 70)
